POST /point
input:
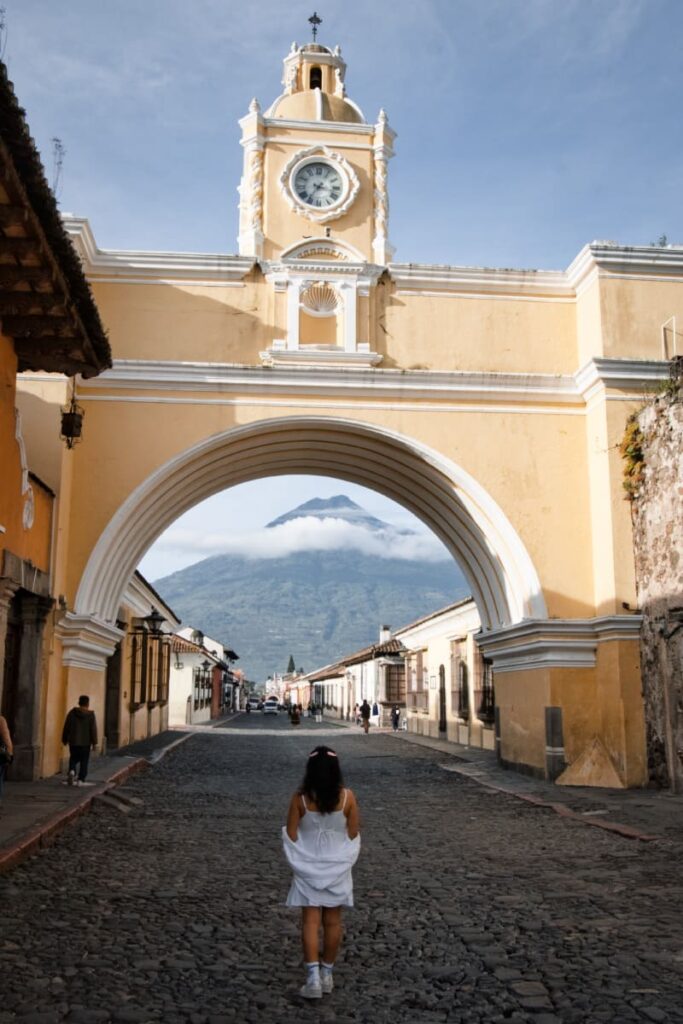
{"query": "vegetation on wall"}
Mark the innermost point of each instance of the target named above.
(631, 451)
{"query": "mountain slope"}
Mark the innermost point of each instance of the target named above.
(315, 604)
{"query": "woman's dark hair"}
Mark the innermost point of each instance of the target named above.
(323, 779)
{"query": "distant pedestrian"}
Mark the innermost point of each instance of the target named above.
(294, 716)
(395, 718)
(318, 712)
(321, 843)
(356, 714)
(6, 750)
(375, 713)
(80, 733)
(365, 716)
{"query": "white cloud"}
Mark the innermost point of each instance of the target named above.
(306, 534)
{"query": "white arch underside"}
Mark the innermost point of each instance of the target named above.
(502, 578)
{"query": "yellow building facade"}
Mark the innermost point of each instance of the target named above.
(488, 402)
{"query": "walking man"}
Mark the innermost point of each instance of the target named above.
(365, 716)
(395, 718)
(80, 732)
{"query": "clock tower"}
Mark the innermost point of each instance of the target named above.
(314, 210)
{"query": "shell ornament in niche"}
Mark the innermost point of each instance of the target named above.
(320, 299)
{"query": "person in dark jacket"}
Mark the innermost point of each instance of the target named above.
(80, 733)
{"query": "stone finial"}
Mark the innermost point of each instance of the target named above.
(293, 48)
(382, 118)
(254, 106)
(337, 50)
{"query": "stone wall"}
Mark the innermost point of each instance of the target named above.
(658, 539)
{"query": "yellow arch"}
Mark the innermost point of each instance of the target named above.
(448, 500)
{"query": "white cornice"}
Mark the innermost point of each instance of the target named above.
(433, 278)
(424, 385)
(87, 641)
(154, 267)
(555, 643)
(343, 127)
(630, 262)
(634, 374)
(310, 356)
(597, 260)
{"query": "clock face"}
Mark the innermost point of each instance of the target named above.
(318, 184)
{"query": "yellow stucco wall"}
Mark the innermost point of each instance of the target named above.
(29, 543)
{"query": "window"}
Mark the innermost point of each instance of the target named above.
(316, 78)
(138, 673)
(460, 685)
(150, 668)
(395, 684)
(486, 706)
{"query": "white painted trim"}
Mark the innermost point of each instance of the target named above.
(343, 127)
(555, 643)
(311, 355)
(154, 267)
(88, 640)
(449, 501)
(306, 403)
(320, 244)
(412, 277)
(409, 384)
(600, 373)
(290, 140)
(141, 599)
(345, 170)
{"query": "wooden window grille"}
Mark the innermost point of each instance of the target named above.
(463, 690)
(395, 684)
(486, 709)
(138, 684)
(197, 687)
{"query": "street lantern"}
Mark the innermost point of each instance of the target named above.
(153, 621)
(72, 423)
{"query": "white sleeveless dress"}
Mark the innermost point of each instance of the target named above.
(321, 858)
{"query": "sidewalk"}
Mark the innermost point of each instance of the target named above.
(32, 813)
(643, 814)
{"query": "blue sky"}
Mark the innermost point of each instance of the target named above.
(526, 128)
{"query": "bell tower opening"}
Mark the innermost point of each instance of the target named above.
(316, 78)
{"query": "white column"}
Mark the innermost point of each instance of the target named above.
(348, 291)
(293, 310)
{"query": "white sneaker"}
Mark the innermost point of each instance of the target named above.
(311, 990)
(71, 778)
(326, 982)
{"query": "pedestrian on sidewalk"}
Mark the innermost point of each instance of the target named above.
(356, 712)
(395, 717)
(375, 713)
(321, 843)
(6, 750)
(80, 733)
(365, 716)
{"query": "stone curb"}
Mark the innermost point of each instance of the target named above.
(626, 831)
(41, 835)
(156, 756)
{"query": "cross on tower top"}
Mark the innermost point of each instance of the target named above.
(314, 22)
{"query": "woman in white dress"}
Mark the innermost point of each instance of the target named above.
(321, 842)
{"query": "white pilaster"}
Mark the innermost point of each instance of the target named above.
(293, 310)
(348, 291)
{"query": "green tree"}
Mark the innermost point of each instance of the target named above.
(290, 664)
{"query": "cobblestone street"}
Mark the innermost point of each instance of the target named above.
(470, 905)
